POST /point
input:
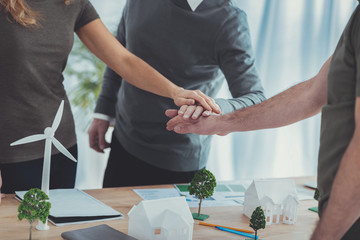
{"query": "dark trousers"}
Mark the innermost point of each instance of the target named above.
(25, 175)
(123, 169)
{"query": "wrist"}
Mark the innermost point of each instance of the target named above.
(174, 91)
(224, 121)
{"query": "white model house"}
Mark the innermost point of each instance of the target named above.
(161, 219)
(277, 197)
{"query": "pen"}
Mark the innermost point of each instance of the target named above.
(215, 225)
(236, 232)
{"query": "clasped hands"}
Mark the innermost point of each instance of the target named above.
(196, 118)
(193, 119)
(195, 108)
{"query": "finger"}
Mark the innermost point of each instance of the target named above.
(96, 147)
(173, 122)
(189, 111)
(185, 101)
(182, 109)
(200, 99)
(181, 129)
(92, 138)
(171, 113)
(101, 139)
(211, 102)
(93, 141)
(207, 113)
(197, 113)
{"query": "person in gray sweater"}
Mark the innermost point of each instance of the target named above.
(195, 44)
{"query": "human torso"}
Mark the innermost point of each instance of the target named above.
(180, 44)
(31, 80)
(337, 126)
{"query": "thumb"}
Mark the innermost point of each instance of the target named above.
(171, 113)
(181, 129)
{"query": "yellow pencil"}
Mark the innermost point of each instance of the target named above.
(236, 229)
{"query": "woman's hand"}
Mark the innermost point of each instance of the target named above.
(190, 97)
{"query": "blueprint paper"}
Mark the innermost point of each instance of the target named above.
(157, 193)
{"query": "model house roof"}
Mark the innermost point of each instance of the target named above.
(154, 209)
(276, 189)
(168, 219)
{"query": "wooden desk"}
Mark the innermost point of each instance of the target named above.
(122, 199)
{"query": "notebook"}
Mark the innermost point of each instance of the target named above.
(95, 233)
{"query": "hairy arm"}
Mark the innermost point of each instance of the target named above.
(132, 69)
(294, 104)
(343, 208)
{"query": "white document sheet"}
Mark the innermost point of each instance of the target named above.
(69, 206)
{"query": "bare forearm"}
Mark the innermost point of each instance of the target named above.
(155, 83)
(286, 108)
(296, 103)
(343, 208)
(131, 68)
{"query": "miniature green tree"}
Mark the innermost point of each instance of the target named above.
(202, 186)
(316, 194)
(257, 220)
(34, 206)
(316, 197)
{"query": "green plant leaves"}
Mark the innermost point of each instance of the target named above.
(35, 205)
(203, 184)
(257, 220)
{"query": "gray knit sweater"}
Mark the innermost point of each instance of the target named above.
(195, 50)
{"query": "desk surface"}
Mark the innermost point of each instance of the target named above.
(122, 199)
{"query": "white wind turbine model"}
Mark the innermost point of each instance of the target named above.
(48, 135)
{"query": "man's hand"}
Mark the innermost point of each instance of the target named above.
(203, 125)
(97, 131)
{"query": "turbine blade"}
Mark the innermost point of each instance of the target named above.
(58, 116)
(62, 149)
(29, 139)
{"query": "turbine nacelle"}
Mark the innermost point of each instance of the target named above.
(49, 133)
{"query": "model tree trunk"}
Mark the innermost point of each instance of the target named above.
(199, 206)
(255, 234)
(202, 186)
(30, 233)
